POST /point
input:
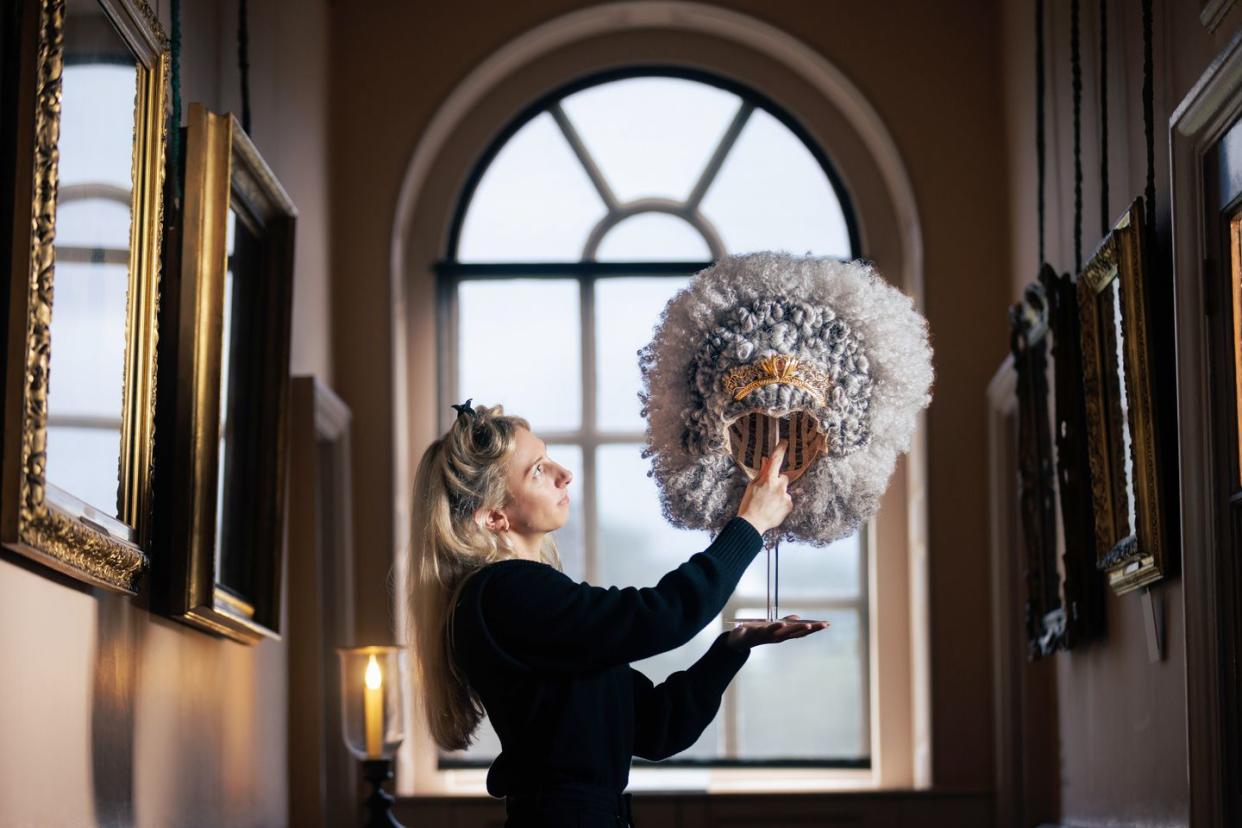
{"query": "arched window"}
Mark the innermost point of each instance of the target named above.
(581, 221)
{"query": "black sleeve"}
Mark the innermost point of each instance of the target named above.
(670, 716)
(547, 621)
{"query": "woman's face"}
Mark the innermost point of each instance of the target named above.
(538, 488)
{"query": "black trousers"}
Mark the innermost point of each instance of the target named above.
(569, 805)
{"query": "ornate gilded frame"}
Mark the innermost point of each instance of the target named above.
(224, 171)
(36, 518)
(1130, 559)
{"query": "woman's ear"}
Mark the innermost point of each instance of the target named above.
(493, 520)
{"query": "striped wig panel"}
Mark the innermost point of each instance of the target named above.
(754, 436)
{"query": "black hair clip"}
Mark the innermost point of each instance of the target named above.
(464, 408)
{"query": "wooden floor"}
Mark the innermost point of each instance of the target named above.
(889, 809)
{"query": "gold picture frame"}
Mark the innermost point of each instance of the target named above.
(37, 518)
(1118, 375)
(221, 539)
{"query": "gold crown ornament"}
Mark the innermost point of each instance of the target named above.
(777, 368)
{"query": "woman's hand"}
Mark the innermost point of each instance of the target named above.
(766, 503)
(753, 633)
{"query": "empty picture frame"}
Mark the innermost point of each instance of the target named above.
(220, 557)
(88, 90)
(1121, 426)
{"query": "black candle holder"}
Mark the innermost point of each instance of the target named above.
(379, 803)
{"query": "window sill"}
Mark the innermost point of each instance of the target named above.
(472, 782)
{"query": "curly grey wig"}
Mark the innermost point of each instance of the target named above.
(860, 337)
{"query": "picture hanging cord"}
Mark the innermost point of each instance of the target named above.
(1104, 217)
(174, 134)
(243, 62)
(1076, 73)
(1149, 194)
(1039, 119)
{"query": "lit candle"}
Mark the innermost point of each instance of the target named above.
(374, 707)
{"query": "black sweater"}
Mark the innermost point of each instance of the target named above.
(550, 657)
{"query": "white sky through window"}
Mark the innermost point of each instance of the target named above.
(534, 203)
(772, 194)
(651, 136)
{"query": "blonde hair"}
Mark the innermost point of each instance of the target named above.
(461, 472)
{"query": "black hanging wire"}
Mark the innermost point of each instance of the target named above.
(1149, 195)
(243, 62)
(1039, 117)
(1104, 217)
(174, 134)
(1076, 72)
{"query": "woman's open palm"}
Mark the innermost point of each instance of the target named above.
(753, 633)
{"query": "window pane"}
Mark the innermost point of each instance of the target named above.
(651, 136)
(520, 345)
(654, 237)
(485, 748)
(659, 667)
(92, 223)
(85, 463)
(814, 682)
(534, 203)
(96, 125)
(772, 194)
(807, 572)
(569, 538)
(637, 546)
(626, 312)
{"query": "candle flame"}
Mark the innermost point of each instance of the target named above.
(374, 677)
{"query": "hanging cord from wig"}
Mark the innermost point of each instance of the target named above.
(1104, 217)
(1039, 118)
(1076, 73)
(174, 133)
(1149, 132)
(243, 62)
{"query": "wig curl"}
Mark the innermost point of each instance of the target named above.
(841, 318)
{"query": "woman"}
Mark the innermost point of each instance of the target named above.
(497, 626)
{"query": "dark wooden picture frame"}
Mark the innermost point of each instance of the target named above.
(1028, 344)
(1082, 583)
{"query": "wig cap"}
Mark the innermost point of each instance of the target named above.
(762, 346)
